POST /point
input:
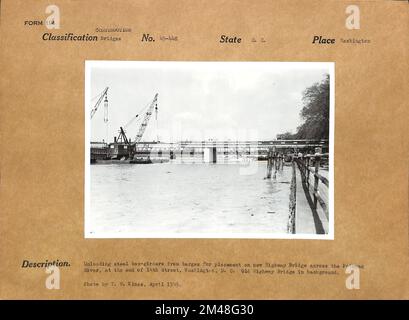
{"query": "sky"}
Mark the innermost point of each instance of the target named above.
(201, 100)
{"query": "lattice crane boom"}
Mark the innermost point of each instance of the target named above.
(103, 96)
(153, 106)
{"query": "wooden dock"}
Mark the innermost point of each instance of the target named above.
(309, 191)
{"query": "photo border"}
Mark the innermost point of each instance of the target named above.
(89, 64)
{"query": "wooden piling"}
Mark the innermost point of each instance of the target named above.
(269, 164)
(317, 159)
(307, 171)
(293, 201)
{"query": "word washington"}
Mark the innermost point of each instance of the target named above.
(69, 37)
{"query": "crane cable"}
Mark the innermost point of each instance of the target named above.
(97, 96)
(100, 99)
(157, 122)
(136, 116)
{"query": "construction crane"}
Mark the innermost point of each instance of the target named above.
(131, 145)
(148, 114)
(103, 96)
(122, 136)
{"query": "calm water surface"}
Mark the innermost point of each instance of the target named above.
(186, 198)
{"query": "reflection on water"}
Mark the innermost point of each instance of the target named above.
(186, 198)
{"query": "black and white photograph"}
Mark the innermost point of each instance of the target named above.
(209, 149)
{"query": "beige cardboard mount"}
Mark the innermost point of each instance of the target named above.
(42, 145)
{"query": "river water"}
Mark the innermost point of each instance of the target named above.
(184, 200)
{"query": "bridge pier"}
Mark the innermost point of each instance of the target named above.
(210, 155)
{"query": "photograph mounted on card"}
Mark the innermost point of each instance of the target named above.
(209, 149)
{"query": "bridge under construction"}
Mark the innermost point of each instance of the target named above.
(137, 151)
(120, 149)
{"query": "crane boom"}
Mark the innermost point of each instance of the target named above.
(144, 124)
(123, 136)
(103, 95)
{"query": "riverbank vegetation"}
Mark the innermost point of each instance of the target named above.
(314, 113)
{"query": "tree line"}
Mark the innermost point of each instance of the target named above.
(314, 113)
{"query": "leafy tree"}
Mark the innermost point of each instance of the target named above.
(285, 136)
(315, 112)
